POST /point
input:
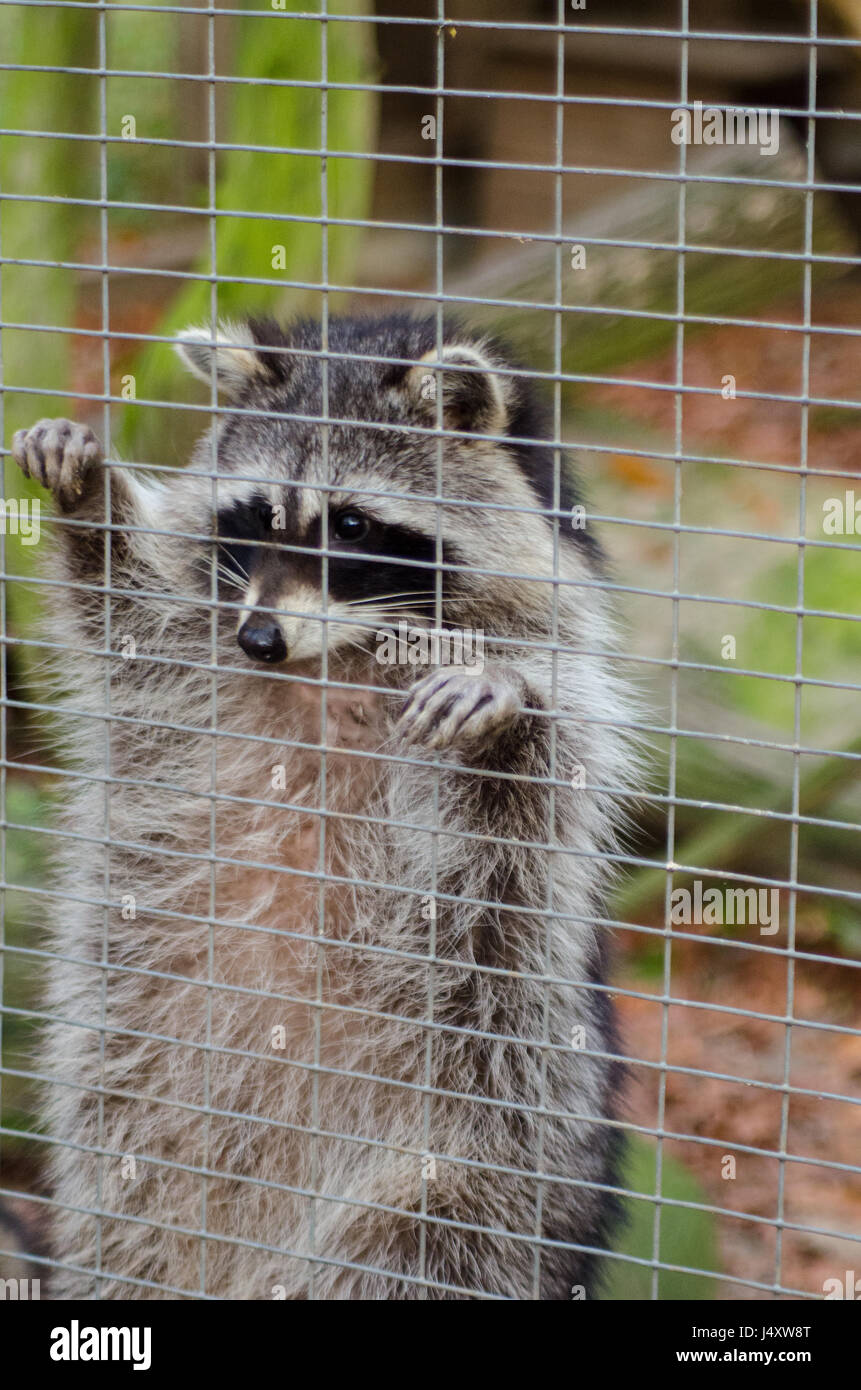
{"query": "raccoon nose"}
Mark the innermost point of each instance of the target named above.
(263, 641)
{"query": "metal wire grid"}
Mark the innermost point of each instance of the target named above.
(680, 390)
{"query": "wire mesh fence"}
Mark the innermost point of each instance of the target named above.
(333, 759)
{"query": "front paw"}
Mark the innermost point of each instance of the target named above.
(61, 455)
(458, 706)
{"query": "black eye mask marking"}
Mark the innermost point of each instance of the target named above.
(390, 559)
(367, 558)
(246, 521)
(238, 527)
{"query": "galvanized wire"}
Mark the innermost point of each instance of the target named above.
(678, 318)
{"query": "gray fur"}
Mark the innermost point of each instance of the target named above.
(374, 986)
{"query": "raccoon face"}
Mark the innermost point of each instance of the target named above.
(303, 590)
(327, 535)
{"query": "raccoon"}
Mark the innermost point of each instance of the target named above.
(328, 973)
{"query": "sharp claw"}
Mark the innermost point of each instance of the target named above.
(36, 460)
(439, 717)
(19, 451)
(484, 700)
(57, 454)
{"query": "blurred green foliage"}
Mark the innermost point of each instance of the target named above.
(732, 841)
(259, 245)
(49, 169)
(58, 171)
(687, 1237)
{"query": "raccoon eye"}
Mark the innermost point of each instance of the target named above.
(351, 526)
(264, 514)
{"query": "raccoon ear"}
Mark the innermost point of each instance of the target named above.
(474, 396)
(237, 361)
